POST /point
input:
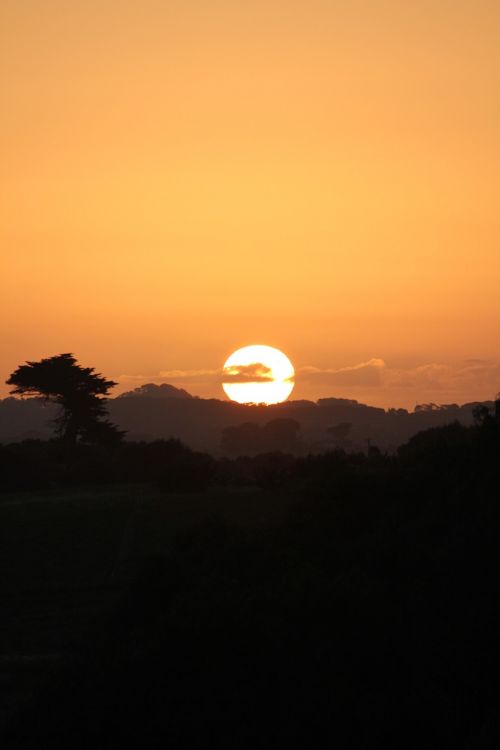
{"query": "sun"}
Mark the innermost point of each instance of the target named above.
(258, 374)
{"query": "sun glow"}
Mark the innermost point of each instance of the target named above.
(258, 374)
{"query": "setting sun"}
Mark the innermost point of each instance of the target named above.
(258, 375)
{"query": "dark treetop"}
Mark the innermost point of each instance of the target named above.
(79, 391)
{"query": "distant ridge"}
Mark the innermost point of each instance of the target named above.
(153, 390)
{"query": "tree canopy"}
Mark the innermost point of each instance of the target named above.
(79, 391)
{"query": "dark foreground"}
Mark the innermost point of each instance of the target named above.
(348, 602)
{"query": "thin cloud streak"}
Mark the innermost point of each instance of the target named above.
(470, 375)
(363, 374)
(172, 375)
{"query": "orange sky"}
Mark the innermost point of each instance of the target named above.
(181, 178)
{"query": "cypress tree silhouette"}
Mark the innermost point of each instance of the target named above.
(79, 391)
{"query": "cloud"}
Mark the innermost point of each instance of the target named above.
(253, 373)
(471, 376)
(462, 380)
(194, 375)
(169, 376)
(368, 373)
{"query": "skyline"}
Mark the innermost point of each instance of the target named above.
(373, 382)
(182, 179)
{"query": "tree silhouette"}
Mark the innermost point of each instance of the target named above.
(79, 391)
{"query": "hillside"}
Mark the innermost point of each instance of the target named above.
(153, 412)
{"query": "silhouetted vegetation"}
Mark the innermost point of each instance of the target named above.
(339, 600)
(78, 392)
(250, 438)
(154, 412)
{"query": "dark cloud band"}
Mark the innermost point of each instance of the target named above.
(253, 373)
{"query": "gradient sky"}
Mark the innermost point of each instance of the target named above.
(182, 178)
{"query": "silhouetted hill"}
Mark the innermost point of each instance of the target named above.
(154, 412)
(153, 390)
(23, 419)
